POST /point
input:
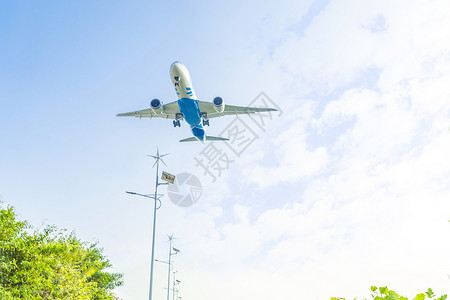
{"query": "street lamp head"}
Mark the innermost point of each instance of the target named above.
(162, 261)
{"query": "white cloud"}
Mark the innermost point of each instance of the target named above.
(373, 204)
(296, 162)
(374, 198)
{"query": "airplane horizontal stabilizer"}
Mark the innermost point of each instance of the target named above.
(208, 138)
(215, 138)
(191, 139)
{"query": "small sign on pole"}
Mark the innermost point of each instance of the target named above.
(168, 177)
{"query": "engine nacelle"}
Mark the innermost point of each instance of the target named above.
(218, 104)
(155, 105)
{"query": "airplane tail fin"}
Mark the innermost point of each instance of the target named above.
(208, 138)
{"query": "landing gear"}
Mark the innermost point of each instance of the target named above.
(177, 122)
(205, 119)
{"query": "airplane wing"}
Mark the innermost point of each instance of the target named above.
(208, 108)
(167, 111)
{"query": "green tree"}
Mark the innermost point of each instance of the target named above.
(381, 293)
(50, 264)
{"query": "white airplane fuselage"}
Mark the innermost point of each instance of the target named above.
(187, 100)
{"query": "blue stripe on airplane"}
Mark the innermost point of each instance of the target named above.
(190, 110)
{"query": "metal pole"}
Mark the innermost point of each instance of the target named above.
(168, 276)
(155, 198)
(154, 225)
(173, 290)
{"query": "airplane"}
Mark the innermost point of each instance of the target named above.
(195, 112)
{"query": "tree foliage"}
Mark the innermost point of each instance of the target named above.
(383, 293)
(50, 264)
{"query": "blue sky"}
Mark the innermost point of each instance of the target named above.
(346, 188)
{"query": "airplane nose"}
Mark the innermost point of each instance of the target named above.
(175, 68)
(175, 65)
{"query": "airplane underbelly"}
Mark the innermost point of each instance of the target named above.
(198, 132)
(189, 109)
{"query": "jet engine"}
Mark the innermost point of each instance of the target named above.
(155, 105)
(219, 105)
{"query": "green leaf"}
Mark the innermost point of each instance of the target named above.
(373, 288)
(384, 290)
(430, 293)
(420, 297)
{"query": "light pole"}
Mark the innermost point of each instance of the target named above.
(176, 251)
(174, 283)
(156, 198)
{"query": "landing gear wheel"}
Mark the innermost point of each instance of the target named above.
(206, 122)
(176, 123)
